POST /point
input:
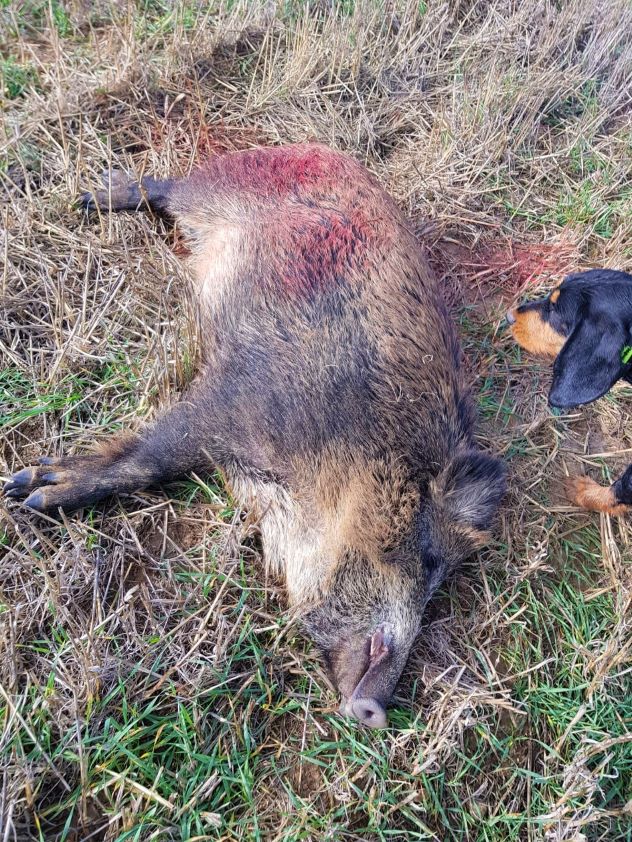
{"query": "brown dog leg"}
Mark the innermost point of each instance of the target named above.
(588, 494)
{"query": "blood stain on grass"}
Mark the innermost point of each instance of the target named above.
(500, 269)
(515, 266)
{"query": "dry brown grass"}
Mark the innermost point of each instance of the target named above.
(151, 686)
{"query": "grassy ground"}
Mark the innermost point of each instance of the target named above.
(151, 687)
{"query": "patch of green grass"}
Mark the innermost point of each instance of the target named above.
(24, 156)
(559, 702)
(22, 398)
(156, 18)
(494, 405)
(584, 206)
(32, 16)
(585, 101)
(584, 161)
(191, 767)
(564, 627)
(61, 18)
(16, 78)
(581, 205)
(205, 489)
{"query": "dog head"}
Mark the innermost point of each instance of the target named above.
(585, 326)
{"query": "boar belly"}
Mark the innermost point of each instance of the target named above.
(216, 259)
(292, 546)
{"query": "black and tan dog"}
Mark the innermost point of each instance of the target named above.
(585, 325)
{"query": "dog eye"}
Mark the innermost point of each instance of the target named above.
(562, 326)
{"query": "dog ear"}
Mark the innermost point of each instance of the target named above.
(589, 364)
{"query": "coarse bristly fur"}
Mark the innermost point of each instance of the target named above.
(330, 396)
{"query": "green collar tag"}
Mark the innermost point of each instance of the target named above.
(626, 354)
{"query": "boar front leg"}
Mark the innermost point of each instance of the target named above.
(122, 465)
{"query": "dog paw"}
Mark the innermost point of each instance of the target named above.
(587, 494)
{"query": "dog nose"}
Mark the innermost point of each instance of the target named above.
(510, 317)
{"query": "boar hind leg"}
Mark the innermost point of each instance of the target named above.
(122, 465)
(120, 193)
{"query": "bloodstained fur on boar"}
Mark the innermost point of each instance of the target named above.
(330, 396)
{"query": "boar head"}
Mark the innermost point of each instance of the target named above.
(371, 612)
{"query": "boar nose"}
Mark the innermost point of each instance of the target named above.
(369, 712)
(511, 317)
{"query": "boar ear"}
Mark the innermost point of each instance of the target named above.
(471, 488)
(463, 501)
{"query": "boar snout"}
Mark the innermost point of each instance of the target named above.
(369, 712)
(367, 701)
